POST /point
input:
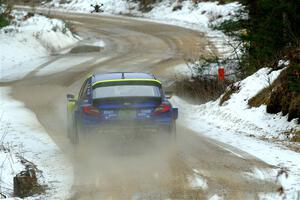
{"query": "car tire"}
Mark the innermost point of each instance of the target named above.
(73, 135)
(173, 130)
(174, 136)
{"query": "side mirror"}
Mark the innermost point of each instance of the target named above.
(168, 94)
(71, 97)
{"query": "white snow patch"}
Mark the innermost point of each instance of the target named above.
(277, 196)
(94, 42)
(283, 63)
(215, 197)
(262, 174)
(48, 32)
(22, 68)
(20, 129)
(199, 15)
(99, 43)
(27, 45)
(197, 182)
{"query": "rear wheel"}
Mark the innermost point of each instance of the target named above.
(172, 148)
(172, 130)
(73, 133)
(173, 141)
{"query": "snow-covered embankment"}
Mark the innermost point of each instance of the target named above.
(24, 47)
(249, 129)
(28, 44)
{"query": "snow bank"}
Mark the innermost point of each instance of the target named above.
(27, 44)
(235, 114)
(236, 124)
(21, 131)
(198, 16)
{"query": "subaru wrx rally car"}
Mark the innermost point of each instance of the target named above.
(120, 100)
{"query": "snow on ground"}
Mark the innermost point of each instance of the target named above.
(253, 121)
(28, 44)
(194, 16)
(99, 43)
(62, 65)
(215, 197)
(199, 17)
(25, 46)
(236, 124)
(22, 133)
(197, 181)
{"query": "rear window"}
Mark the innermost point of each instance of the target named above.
(126, 91)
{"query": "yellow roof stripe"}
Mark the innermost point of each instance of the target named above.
(125, 80)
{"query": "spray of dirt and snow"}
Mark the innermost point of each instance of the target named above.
(236, 124)
(137, 169)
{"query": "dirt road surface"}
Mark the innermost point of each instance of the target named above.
(202, 168)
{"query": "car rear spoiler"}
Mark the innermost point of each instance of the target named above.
(127, 82)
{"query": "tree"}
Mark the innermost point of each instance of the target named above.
(273, 27)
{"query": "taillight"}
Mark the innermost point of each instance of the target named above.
(162, 109)
(90, 110)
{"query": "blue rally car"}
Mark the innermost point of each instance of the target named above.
(120, 100)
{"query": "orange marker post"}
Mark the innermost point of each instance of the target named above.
(221, 74)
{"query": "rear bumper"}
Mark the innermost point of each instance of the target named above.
(127, 126)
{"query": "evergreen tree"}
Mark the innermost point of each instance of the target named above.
(273, 26)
